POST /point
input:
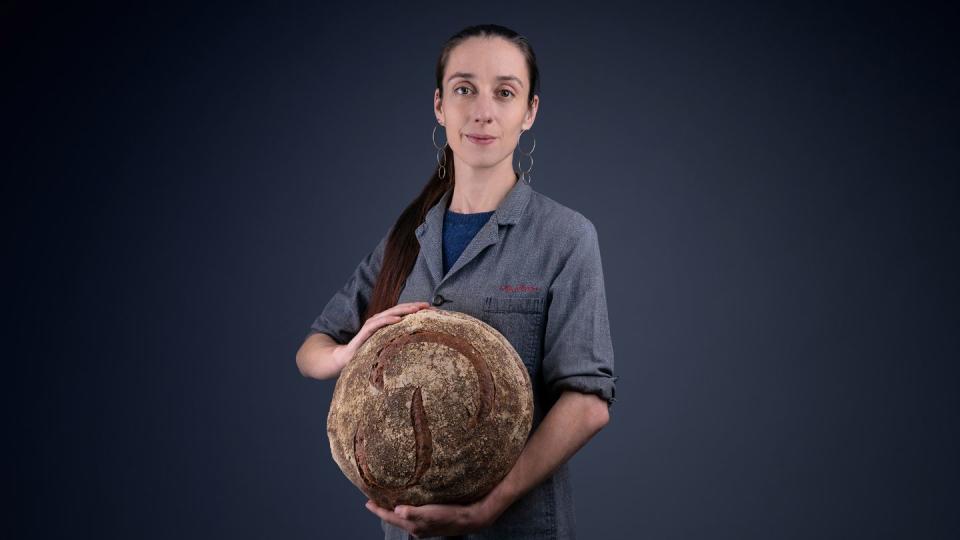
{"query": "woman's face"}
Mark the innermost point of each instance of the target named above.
(485, 88)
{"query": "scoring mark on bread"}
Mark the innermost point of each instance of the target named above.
(422, 436)
(484, 376)
(423, 442)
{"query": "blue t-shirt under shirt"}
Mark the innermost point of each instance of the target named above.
(458, 230)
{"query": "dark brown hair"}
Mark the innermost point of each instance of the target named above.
(402, 246)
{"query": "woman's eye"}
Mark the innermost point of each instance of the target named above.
(457, 91)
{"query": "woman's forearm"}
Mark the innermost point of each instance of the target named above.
(316, 358)
(572, 421)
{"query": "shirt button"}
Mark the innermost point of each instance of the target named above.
(437, 300)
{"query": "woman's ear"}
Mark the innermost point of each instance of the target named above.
(531, 113)
(438, 106)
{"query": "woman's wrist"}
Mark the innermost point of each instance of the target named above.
(494, 504)
(338, 355)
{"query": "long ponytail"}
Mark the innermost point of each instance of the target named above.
(402, 247)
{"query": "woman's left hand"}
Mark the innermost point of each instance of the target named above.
(435, 519)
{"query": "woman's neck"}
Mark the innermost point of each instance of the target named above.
(475, 191)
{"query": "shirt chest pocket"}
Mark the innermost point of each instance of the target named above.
(519, 320)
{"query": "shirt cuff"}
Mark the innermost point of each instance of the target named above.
(604, 387)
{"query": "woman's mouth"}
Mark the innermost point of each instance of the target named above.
(481, 139)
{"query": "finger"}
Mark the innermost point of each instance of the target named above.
(370, 326)
(374, 324)
(379, 319)
(409, 513)
(390, 517)
(388, 316)
(397, 312)
(408, 307)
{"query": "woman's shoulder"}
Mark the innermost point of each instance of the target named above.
(548, 214)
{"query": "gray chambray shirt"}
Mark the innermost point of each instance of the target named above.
(532, 272)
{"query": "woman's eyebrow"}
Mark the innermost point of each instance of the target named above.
(472, 76)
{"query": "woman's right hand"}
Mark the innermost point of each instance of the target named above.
(342, 354)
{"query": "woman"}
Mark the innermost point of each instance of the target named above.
(481, 241)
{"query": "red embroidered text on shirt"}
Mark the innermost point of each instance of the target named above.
(519, 288)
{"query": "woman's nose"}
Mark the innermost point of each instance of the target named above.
(483, 111)
(483, 116)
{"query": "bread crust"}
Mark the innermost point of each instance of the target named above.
(435, 408)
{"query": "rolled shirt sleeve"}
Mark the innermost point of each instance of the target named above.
(342, 317)
(578, 351)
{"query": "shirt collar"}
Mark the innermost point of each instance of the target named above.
(507, 213)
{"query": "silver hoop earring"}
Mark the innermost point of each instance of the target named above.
(440, 150)
(525, 175)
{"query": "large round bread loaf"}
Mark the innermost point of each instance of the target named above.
(435, 408)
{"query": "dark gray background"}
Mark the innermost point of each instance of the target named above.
(774, 189)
